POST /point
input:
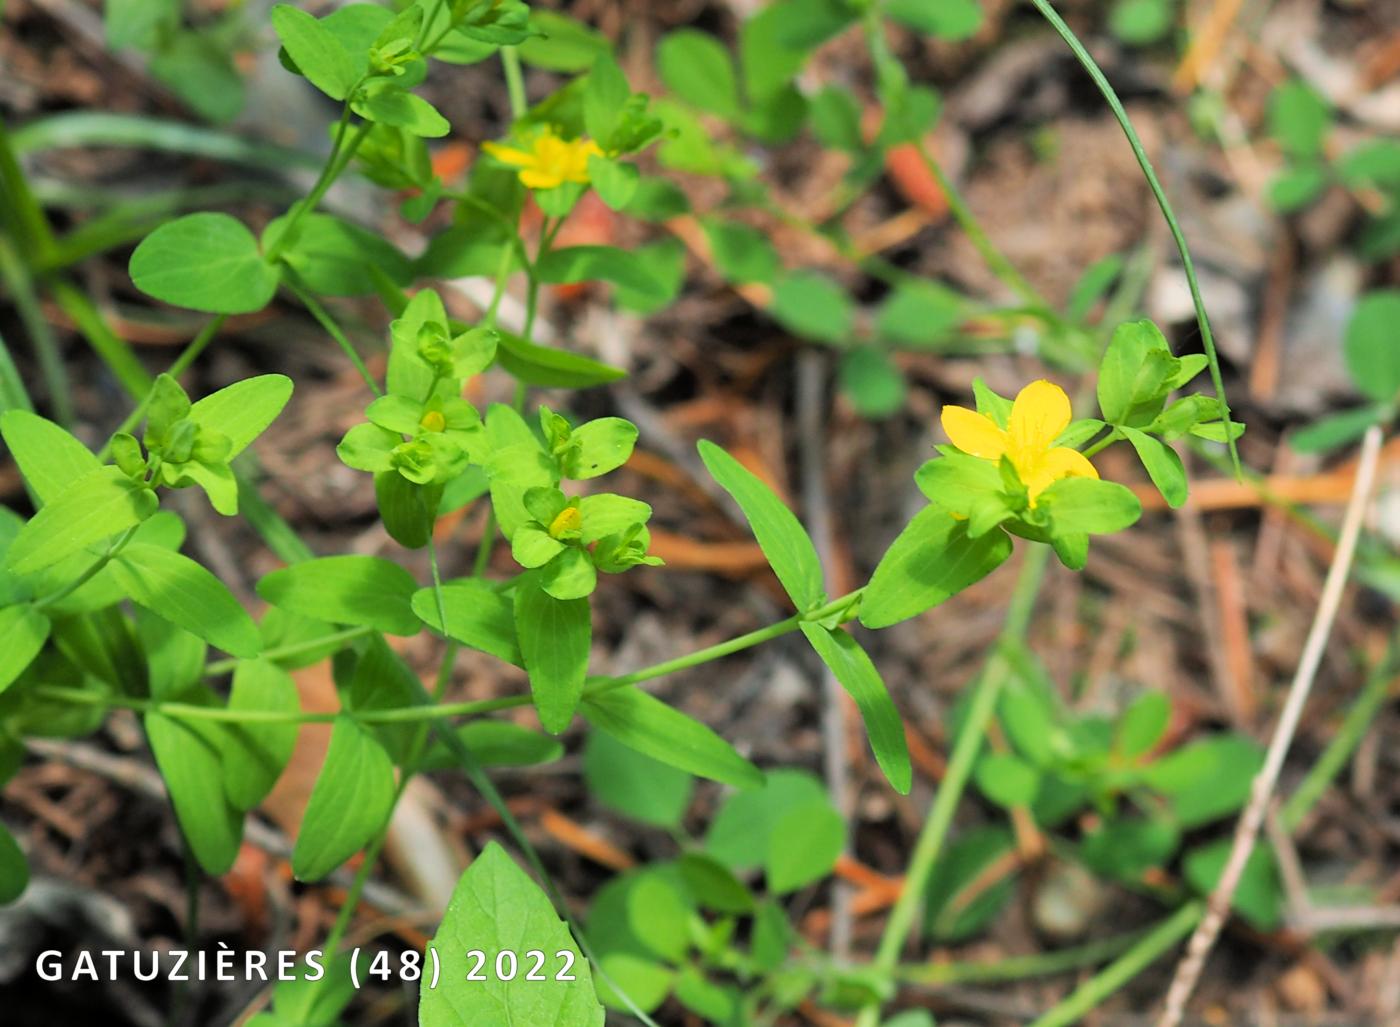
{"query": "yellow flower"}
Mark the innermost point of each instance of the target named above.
(1041, 412)
(550, 161)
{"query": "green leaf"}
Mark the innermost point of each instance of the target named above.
(1128, 847)
(497, 908)
(1163, 465)
(23, 632)
(615, 181)
(921, 314)
(1090, 506)
(200, 72)
(256, 752)
(1207, 779)
(187, 753)
(183, 592)
(349, 805)
(206, 262)
(1143, 724)
(932, 559)
(360, 590)
(1337, 429)
(1371, 351)
(811, 305)
(658, 199)
(779, 533)
(242, 411)
(477, 616)
(957, 907)
(1141, 22)
(1258, 897)
(555, 636)
(835, 115)
(872, 382)
(1297, 186)
(948, 19)
(741, 252)
(858, 676)
(551, 368)
(807, 840)
(138, 23)
(1007, 780)
(14, 870)
(646, 724)
(495, 743)
(1374, 162)
(1135, 374)
(319, 54)
(1299, 119)
(743, 831)
(597, 447)
(1092, 286)
(713, 885)
(383, 681)
(633, 783)
(408, 510)
(562, 43)
(335, 258)
(570, 264)
(696, 67)
(390, 105)
(97, 506)
(50, 458)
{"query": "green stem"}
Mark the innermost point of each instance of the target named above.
(324, 319)
(1015, 968)
(1359, 720)
(1150, 173)
(965, 751)
(281, 652)
(1118, 973)
(1103, 443)
(515, 82)
(17, 281)
(91, 572)
(113, 352)
(340, 156)
(13, 395)
(20, 212)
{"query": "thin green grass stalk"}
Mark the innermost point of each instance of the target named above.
(1359, 720)
(13, 394)
(324, 319)
(17, 281)
(20, 214)
(969, 744)
(1015, 968)
(1153, 945)
(114, 352)
(1150, 173)
(515, 82)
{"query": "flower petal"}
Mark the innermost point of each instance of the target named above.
(509, 154)
(536, 178)
(1040, 413)
(1060, 462)
(975, 434)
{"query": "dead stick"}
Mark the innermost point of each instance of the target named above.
(1188, 971)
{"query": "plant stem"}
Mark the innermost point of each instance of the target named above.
(291, 649)
(1150, 173)
(515, 82)
(87, 575)
(14, 274)
(960, 764)
(340, 156)
(1118, 973)
(1014, 968)
(327, 322)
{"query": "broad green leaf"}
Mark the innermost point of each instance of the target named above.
(1128, 847)
(1376, 161)
(872, 382)
(835, 117)
(349, 805)
(740, 834)
(779, 533)
(199, 69)
(1140, 22)
(645, 723)
(390, 105)
(318, 53)
(360, 590)
(242, 411)
(303, 1000)
(23, 632)
(932, 559)
(183, 592)
(478, 616)
(1207, 779)
(1007, 780)
(714, 885)
(957, 907)
(554, 636)
(811, 305)
(1090, 506)
(383, 681)
(138, 23)
(741, 252)
(175, 658)
(1163, 465)
(187, 753)
(551, 368)
(256, 752)
(96, 507)
(1135, 374)
(1297, 186)
(1337, 429)
(1371, 348)
(658, 199)
(206, 262)
(614, 181)
(336, 258)
(50, 458)
(571, 264)
(497, 908)
(696, 67)
(407, 509)
(1299, 118)
(659, 914)
(14, 869)
(597, 447)
(1092, 286)
(563, 43)
(806, 842)
(921, 314)
(633, 783)
(1143, 724)
(858, 676)
(1259, 895)
(947, 19)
